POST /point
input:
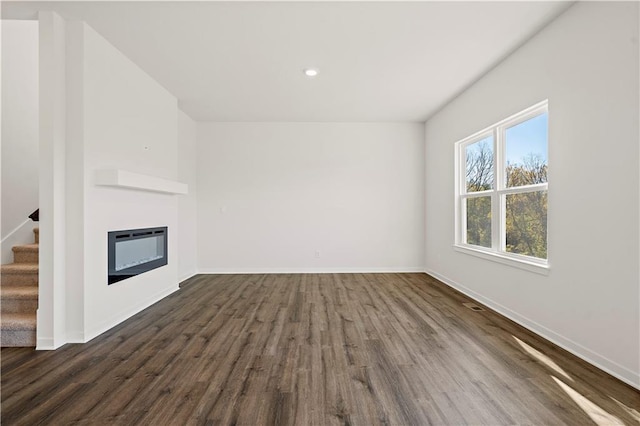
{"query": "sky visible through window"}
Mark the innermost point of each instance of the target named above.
(523, 212)
(529, 137)
(524, 139)
(476, 146)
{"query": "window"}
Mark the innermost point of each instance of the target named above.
(501, 190)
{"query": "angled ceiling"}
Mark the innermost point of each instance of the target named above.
(244, 61)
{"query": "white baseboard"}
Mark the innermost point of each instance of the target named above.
(48, 344)
(187, 276)
(45, 344)
(75, 337)
(373, 270)
(23, 234)
(126, 314)
(611, 367)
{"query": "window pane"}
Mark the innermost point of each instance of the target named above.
(479, 221)
(479, 167)
(526, 221)
(526, 152)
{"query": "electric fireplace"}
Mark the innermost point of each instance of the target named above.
(135, 251)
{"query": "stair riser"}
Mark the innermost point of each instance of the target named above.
(37, 237)
(19, 279)
(25, 257)
(18, 338)
(18, 306)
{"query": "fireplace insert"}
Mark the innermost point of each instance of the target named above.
(135, 251)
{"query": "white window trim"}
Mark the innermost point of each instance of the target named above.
(497, 252)
(505, 259)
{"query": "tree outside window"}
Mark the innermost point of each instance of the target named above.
(502, 195)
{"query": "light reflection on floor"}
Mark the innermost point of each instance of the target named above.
(631, 411)
(597, 414)
(542, 358)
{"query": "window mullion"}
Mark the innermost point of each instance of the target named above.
(462, 202)
(501, 218)
(525, 189)
(502, 202)
(496, 228)
(499, 158)
(463, 220)
(479, 194)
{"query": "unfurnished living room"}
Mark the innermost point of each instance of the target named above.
(320, 213)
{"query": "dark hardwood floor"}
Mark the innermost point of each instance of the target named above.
(316, 349)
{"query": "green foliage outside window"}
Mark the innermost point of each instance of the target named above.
(526, 213)
(479, 221)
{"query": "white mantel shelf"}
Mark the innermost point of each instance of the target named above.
(130, 180)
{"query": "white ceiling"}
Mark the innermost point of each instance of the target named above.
(244, 61)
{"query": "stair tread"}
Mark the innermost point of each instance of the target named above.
(19, 292)
(26, 247)
(12, 321)
(19, 268)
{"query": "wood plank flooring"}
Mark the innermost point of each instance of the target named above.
(312, 349)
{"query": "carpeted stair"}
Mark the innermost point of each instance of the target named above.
(19, 296)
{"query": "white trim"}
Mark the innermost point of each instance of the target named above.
(17, 229)
(187, 276)
(478, 194)
(603, 363)
(538, 187)
(126, 314)
(394, 270)
(75, 337)
(506, 259)
(500, 235)
(499, 149)
(46, 344)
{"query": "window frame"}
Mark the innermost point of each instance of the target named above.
(498, 193)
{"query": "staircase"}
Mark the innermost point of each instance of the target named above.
(19, 296)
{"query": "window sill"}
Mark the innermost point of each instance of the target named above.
(538, 268)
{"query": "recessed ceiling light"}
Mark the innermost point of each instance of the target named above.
(310, 72)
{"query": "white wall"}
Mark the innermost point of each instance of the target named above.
(130, 123)
(19, 129)
(52, 281)
(112, 115)
(586, 64)
(187, 226)
(272, 194)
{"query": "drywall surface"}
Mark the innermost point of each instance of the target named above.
(19, 126)
(52, 273)
(187, 226)
(303, 197)
(586, 64)
(129, 122)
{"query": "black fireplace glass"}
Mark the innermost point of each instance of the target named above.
(135, 251)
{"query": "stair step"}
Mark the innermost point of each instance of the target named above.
(17, 330)
(36, 232)
(19, 274)
(18, 322)
(18, 299)
(27, 253)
